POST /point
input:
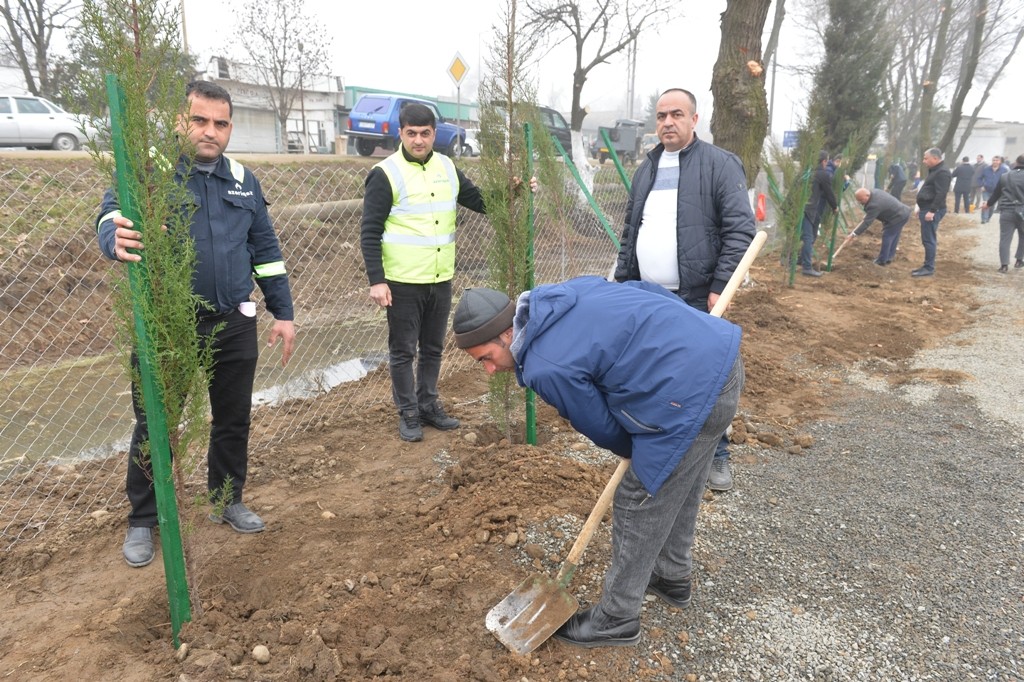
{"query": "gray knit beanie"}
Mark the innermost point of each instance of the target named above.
(482, 314)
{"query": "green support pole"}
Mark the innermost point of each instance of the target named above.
(159, 440)
(586, 192)
(531, 399)
(615, 159)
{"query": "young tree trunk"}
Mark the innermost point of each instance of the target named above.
(740, 120)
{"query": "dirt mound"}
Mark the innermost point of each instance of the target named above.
(381, 557)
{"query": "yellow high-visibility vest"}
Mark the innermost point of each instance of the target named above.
(418, 245)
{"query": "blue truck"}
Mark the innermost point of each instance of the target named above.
(373, 122)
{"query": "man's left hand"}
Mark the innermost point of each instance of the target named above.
(285, 329)
(712, 300)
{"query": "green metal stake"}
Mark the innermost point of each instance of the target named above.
(615, 159)
(531, 399)
(159, 439)
(586, 192)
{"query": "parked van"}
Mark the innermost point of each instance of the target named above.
(38, 123)
(373, 122)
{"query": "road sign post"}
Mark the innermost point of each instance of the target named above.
(457, 71)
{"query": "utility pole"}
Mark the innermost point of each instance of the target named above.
(631, 78)
(302, 106)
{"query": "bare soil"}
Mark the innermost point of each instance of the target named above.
(381, 557)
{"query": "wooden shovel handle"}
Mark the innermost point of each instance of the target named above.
(593, 521)
(741, 271)
(605, 501)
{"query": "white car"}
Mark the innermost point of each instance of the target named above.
(35, 122)
(470, 147)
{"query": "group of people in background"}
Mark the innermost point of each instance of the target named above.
(988, 186)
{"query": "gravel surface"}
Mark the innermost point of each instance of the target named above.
(890, 550)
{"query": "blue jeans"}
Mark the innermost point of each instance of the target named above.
(930, 237)
(986, 213)
(417, 319)
(808, 233)
(890, 239)
(654, 534)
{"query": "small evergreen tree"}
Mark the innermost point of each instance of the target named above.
(135, 41)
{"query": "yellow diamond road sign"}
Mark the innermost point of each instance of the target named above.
(458, 69)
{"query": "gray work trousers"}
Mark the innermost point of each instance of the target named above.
(654, 533)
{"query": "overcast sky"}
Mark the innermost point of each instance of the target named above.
(408, 46)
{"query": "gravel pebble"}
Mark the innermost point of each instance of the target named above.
(890, 550)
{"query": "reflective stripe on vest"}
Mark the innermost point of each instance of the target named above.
(418, 244)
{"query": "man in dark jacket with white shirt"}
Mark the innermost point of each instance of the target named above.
(688, 221)
(931, 205)
(659, 386)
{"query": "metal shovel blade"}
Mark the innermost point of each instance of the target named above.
(528, 616)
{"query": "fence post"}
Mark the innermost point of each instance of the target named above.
(159, 440)
(615, 159)
(531, 399)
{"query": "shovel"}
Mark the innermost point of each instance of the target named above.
(528, 616)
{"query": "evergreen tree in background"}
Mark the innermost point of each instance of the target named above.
(846, 103)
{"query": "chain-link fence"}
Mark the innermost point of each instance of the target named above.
(65, 408)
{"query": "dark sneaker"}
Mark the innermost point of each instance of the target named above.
(810, 272)
(1019, 263)
(673, 592)
(883, 263)
(436, 416)
(409, 426)
(922, 272)
(240, 518)
(1003, 269)
(720, 478)
(138, 547)
(592, 628)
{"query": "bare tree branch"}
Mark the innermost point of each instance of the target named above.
(610, 24)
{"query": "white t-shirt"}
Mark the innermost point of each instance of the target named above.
(656, 238)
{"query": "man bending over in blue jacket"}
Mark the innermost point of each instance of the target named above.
(660, 386)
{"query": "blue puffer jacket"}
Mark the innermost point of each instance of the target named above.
(631, 366)
(714, 221)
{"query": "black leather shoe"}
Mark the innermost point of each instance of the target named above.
(922, 272)
(591, 628)
(1019, 263)
(436, 416)
(673, 592)
(1003, 269)
(409, 427)
(810, 272)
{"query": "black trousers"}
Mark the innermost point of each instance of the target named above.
(417, 317)
(234, 370)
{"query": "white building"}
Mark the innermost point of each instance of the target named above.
(317, 110)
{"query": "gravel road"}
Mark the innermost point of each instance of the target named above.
(890, 550)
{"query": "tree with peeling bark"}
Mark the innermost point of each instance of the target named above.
(740, 119)
(25, 34)
(282, 46)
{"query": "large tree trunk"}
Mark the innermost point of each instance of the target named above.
(928, 88)
(740, 120)
(967, 70)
